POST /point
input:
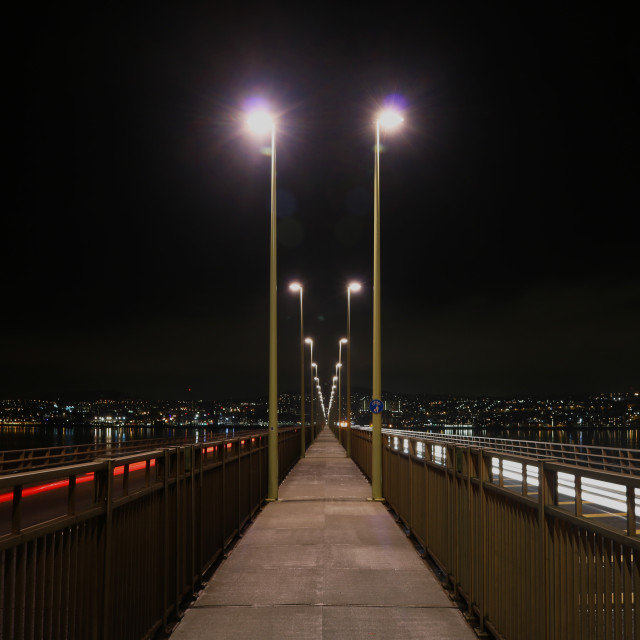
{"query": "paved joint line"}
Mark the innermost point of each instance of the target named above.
(319, 604)
(323, 500)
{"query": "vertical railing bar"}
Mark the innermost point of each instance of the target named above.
(16, 510)
(543, 499)
(125, 480)
(483, 477)
(178, 523)
(631, 513)
(470, 535)
(223, 507)
(192, 577)
(201, 508)
(578, 495)
(71, 496)
(106, 617)
(165, 540)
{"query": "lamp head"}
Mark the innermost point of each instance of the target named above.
(260, 121)
(389, 119)
(295, 286)
(354, 286)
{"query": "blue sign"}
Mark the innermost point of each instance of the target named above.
(376, 406)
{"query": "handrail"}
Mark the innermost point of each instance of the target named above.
(618, 460)
(17, 460)
(531, 546)
(115, 547)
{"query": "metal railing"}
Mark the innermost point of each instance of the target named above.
(528, 565)
(18, 460)
(114, 546)
(613, 459)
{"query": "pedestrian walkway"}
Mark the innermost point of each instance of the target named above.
(324, 561)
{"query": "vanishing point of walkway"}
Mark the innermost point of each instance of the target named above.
(324, 561)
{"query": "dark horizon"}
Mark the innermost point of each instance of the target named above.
(135, 256)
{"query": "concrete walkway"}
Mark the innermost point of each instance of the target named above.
(323, 562)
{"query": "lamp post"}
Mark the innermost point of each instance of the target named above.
(309, 341)
(295, 286)
(321, 402)
(261, 122)
(354, 286)
(334, 388)
(386, 119)
(339, 367)
(316, 381)
(342, 341)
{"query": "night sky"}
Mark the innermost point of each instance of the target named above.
(135, 244)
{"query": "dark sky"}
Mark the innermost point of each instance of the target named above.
(135, 247)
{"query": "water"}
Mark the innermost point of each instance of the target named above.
(605, 437)
(37, 436)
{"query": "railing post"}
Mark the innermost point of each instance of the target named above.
(427, 459)
(546, 492)
(192, 497)
(223, 501)
(471, 526)
(16, 510)
(106, 602)
(412, 452)
(71, 496)
(201, 513)
(578, 495)
(631, 514)
(177, 521)
(165, 539)
(484, 464)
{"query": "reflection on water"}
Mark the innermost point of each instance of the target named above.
(37, 436)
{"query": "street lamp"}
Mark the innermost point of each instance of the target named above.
(387, 119)
(314, 412)
(339, 368)
(261, 122)
(319, 392)
(309, 341)
(295, 286)
(354, 286)
(334, 388)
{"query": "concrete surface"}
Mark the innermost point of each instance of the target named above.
(323, 561)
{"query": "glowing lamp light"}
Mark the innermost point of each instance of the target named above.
(296, 286)
(343, 341)
(259, 121)
(390, 119)
(355, 286)
(309, 341)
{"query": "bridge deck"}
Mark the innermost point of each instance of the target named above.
(323, 562)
